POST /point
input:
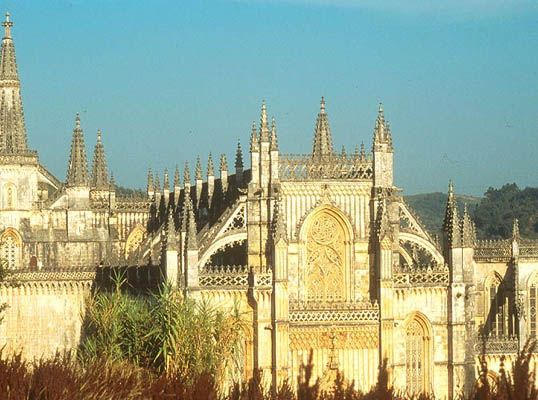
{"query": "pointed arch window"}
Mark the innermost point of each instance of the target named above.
(417, 360)
(10, 249)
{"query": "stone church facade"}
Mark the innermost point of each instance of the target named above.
(319, 251)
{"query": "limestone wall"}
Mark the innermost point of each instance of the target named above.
(42, 317)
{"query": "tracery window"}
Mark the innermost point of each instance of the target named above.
(10, 249)
(417, 357)
(134, 240)
(326, 247)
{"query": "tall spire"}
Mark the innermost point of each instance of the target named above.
(77, 171)
(99, 169)
(12, 128)
(323, 142)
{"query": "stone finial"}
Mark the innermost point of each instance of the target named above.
(99, 168)
(323, 142)
(166, 181)
(223, 163)
(187, 175)
(77, 171)
(210, 167)
(7, 24)
(254, 140)
(363, 153)
(198, 172)
(150, 188)
(177, 180)
(343, 152)
(274, 138)
(239, 157)
(264, 125)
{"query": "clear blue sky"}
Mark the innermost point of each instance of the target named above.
(168, 80)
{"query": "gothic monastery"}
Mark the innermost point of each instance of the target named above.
(319, 250)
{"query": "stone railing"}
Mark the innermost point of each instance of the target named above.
(421, 275)
(302, 167)
(496, 345)
(493, 250)
(224, 276)
(337, 312)
(26, 157)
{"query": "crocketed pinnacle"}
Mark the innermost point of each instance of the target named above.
(382, 129)
(210, 167)
(451, 224)
(198, 172)
(77, 171)
(186, 175)
(166, 180)
(12, 128)
(468, 235)
(279, 226)
(254, 140)
(363, 153)
(274, 138)
(187, 204)
(223, 163)
(323, 142)
(171, 240)
(264, 125)
(157, 182)
(239, 157)
(150, 188)
(99, 169)
(177, 180)
(192, 240)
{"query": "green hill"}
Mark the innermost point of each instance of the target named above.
(493, 214)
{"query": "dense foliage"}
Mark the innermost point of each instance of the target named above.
(494, 215)
(163, 333)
